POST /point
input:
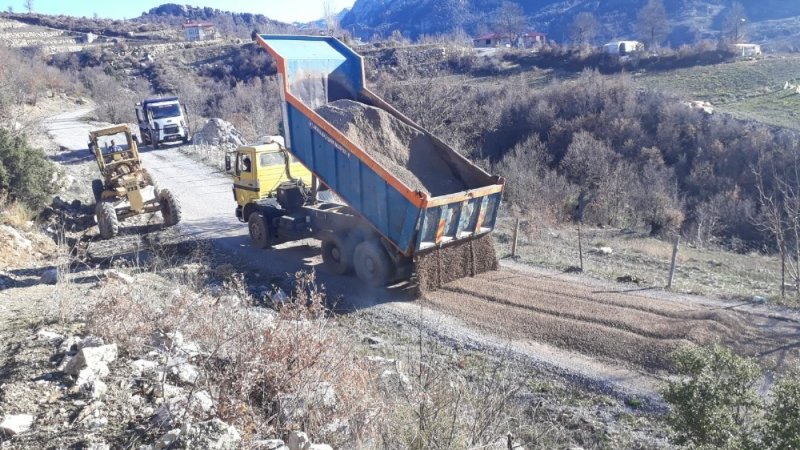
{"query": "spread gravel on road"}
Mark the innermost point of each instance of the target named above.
(626, 328)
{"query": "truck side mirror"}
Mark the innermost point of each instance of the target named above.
(227, 162)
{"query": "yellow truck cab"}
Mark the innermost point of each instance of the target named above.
(258, 171)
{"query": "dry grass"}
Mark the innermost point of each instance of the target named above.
(15, 214)
(269, 371)
(704, 271)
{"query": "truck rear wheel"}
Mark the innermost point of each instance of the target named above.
(337, 254)
(107, 221)
(259, 230)
(170, 208)
(372, 264)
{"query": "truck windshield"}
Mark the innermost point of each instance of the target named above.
(162, 111)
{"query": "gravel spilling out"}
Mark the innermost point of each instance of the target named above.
(403, 151)
(465, 259)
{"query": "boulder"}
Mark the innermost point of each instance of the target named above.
(141, 367)
(298, 440)
(211, 435)
(167, 439)
(95, 359)
(49, 336)
(16, 424)
(187, 373)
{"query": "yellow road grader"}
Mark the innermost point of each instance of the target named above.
(126, 188)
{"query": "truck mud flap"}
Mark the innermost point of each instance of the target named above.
(440, 266)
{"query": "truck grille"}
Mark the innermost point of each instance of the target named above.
(171, 130)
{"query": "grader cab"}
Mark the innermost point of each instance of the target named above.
(126, 188)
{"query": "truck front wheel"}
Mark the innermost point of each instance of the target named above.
(372, 264)
(259, 230)
(337, 254)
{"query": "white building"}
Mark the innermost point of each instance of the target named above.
(622, 48)
(748, 50)
(198, 31)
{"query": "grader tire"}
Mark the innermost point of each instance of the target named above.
(97, 190)
(107, 220)
(259, 230)
(147, 179)
(372, 263)
(170, 208)
(337, 254)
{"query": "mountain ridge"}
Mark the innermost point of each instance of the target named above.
(690, 19)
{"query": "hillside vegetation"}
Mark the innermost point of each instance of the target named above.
(689, 20)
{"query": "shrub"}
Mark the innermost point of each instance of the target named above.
(714, 404)
(26, 175)
(782, 429)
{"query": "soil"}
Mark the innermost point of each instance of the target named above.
(403, 151)
(634, 328)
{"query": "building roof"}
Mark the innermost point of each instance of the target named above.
(198, 25)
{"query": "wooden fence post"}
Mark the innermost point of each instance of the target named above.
(516, 240)
(674, 259)
(580, 243)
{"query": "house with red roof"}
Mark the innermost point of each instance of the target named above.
(199, 31)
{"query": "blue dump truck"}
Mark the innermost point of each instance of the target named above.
(371, 213)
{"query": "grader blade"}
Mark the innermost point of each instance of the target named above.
(465, 259)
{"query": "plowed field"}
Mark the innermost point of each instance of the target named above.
(632, 328)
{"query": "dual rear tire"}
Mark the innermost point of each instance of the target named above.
(372, 263)
(369, 259)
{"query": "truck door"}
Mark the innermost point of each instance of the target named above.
(245, 177)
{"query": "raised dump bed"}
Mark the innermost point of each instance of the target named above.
(413, 189)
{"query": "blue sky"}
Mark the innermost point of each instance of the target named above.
(283, 10)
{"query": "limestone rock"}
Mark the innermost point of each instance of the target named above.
(212, 435)
(298, 440)
(50, 337)
(94, 358)
(16, 424)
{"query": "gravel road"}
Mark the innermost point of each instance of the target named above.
(605, 335)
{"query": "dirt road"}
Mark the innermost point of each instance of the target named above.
(609, 336)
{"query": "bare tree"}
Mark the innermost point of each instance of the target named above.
(652, 23)
(735, 26)
(510, 18)
(28, 4)
(583, 28)
(331, 17)
(778, 183)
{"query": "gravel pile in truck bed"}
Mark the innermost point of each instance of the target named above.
(403, 151)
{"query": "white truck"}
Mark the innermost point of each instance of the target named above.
(162, 119)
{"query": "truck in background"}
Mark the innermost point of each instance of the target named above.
(162, 119)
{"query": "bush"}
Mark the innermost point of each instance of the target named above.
(782, 430)
(26, 175)
(714, 404)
